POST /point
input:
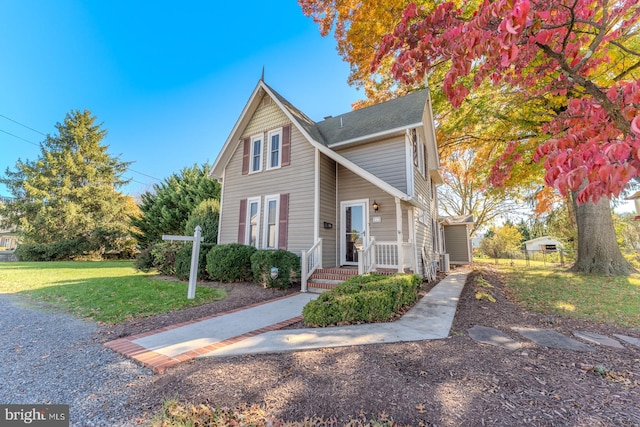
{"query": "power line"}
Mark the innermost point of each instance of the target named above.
(23, 125)
(19, 137)
(148, 176)
(41, 133)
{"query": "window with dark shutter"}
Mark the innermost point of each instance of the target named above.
(242, 221)
(283, 220)
(286, 145)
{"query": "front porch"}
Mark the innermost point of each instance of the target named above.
(382, 257)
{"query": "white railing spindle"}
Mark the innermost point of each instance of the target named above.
(310, 261)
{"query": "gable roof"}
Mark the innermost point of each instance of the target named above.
(457, 220)
(313, 131)
(542, 238)
(394, 115)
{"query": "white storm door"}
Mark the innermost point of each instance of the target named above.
(354, 230)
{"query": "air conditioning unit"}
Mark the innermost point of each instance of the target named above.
(444, 263)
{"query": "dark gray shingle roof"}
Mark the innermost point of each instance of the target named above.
(396, 113)
(393, 114)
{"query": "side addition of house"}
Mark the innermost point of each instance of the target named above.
(356, 190)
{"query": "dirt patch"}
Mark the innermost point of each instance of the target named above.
(449, 382)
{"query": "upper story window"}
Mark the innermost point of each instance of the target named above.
(265, 151)
(275, 149)
(419, 150)
(256, 153)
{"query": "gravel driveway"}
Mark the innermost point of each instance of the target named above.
(52, 358)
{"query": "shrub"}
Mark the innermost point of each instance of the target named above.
(56, 251)
(230, 262)
(366, 298)
(205, 215)
(288, 265)
(164, 257)
(31, 252)
(183, 262)
(144, 260)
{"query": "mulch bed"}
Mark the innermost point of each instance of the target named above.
(449, 382)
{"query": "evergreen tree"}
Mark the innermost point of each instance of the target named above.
(166, 209)
(70, 193)
(206, 215)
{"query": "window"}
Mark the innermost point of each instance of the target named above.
(253, 223)
(256, 153)
(275, 149)
(271, 210)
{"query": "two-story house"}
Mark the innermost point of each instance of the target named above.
(355, 190)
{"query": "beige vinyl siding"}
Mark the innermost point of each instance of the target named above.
(385, 159)
(353, 187)
(296, 179)
(457, 242)
(328, 211)
(425, 197)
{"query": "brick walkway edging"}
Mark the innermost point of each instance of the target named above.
(158, 363)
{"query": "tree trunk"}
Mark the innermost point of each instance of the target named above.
(598, 250)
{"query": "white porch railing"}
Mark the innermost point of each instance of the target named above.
(393, 255)
(310, 261)
(366, 257)
(387, 255)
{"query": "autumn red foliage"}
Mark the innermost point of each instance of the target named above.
(584, 51)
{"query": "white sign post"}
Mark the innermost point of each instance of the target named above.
(195, 255)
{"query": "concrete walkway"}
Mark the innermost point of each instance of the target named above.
(257, 330)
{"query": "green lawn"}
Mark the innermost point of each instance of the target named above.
(109, 292)
(609, 299)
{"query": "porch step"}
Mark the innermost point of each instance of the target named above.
(324, 279)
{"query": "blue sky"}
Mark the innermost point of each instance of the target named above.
(168, 80)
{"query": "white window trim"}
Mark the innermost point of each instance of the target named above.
(270, 134)
(253, 139)
(247, 238)
(265, 232)
(422, 215)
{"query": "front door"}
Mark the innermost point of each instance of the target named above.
(353, 228)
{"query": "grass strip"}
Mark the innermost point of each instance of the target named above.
(109, 292)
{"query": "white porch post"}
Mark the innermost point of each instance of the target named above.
(413, 239)
(400, 236)
(304, 265)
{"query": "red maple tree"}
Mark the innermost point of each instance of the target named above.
(585, 52)
(581, 49)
